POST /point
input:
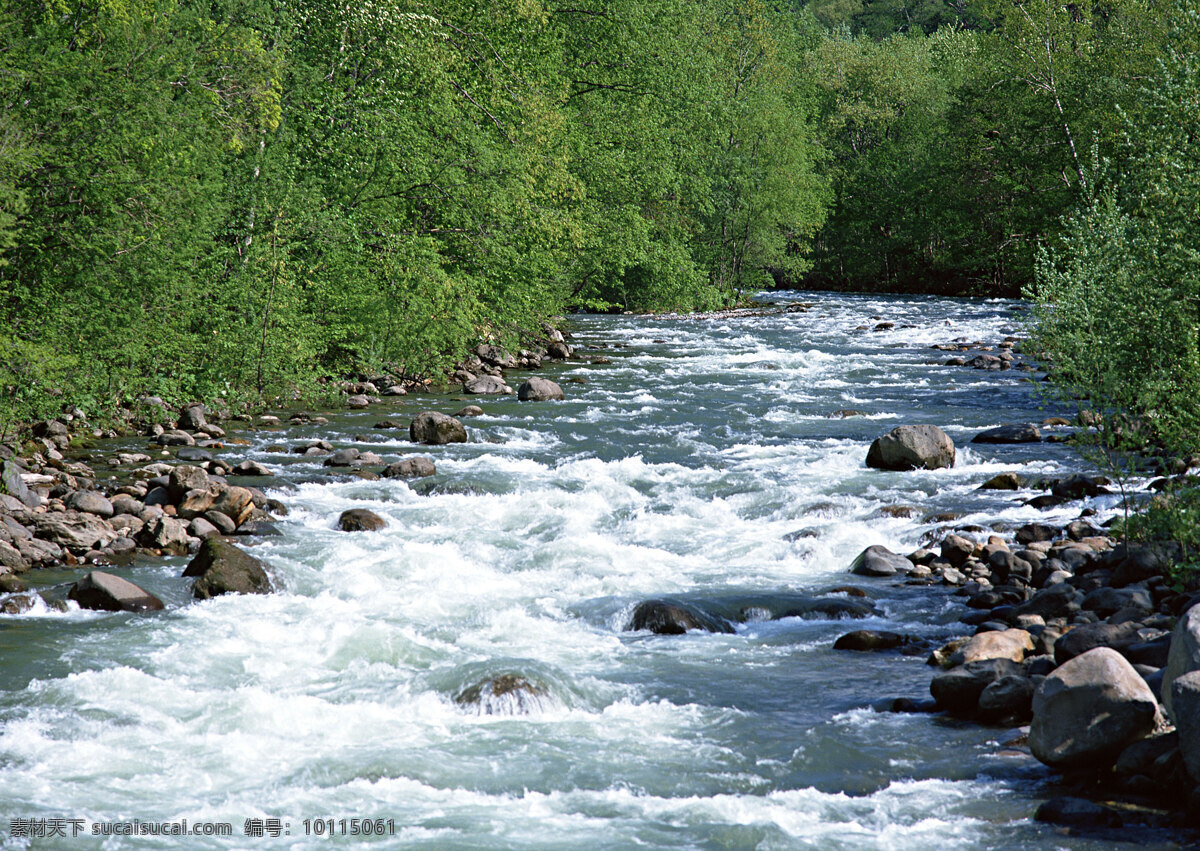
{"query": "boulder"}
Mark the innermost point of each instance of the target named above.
(123, 503)
(1011, 644)
(1090, 636)
(539, 390)
(251, 468)
(505, 694)
(175, 438)
(11, 560)
(166, 533)
(470, 411)
(11, 484)
(495, 356)
(956, 549)
(357, 401)
(958, 690)
(235, 503)
(1002, 482)
(108, 593)
(193, 455)
(196, 502)
(1011, 433)
(1185, 706)
(1008, 697)
(431, 427)
(1053, 601)
(90, 502)
(1184, 657)
(1077, 813)
(835, 608)
(869, 639)
(487, 385)
(191, 418)
(1079, 486)
(910, 447)
(410, 468)
(664, 618)
(1088, 710)
(1106, 601)
(879, 561)
(201, 528)
(222, 568)
(73, 530)
(222, 522)
(184, 478)
(1032, 533)
(343, 458)
(360, 520)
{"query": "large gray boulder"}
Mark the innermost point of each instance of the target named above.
(1185, 703)
(539, 390)
(222, 568)
(1088, 710)
(166, 533)
(958, 690)
(108, 593)
(1184, 657)
(191, 418)
(434, 428)
(73, 530)
(487, 385)
(879, 561)
(909, 447)
(415, 467)
(11, 484)
(90, 502)
(184, 478)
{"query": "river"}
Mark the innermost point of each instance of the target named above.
(701, 463)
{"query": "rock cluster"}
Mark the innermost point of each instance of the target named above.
(1077, 635)
(483, 372)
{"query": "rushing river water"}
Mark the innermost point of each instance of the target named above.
(700, 464)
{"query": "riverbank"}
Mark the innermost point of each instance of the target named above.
(637, 486)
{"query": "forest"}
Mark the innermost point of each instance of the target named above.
(236, 199)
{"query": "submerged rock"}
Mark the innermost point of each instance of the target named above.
(410, 468)
(1012, 433)
(910, 447)
(1078, 813)
(865, 640)
(222, 568)
(108, 593)
(663, 618)
(504, 694)
(835, 608)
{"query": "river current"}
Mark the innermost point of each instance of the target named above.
(700, 464)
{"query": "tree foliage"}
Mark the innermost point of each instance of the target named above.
(237, 197)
